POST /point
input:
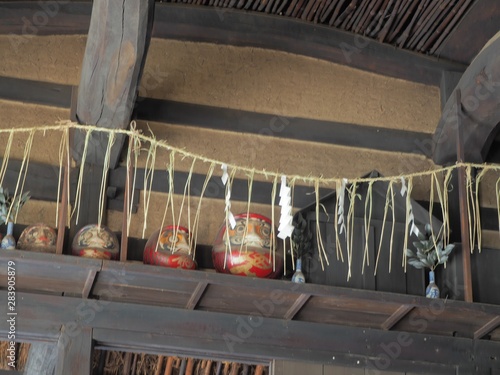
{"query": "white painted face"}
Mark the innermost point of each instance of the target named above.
(258, 233)
(174, 242)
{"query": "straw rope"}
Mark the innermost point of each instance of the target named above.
(347, 194)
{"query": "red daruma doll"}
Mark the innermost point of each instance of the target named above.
(248, 252)
(173, 249)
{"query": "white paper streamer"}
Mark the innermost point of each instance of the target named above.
(403, 187)
(285, 228)
(340, 211)
(411, 218)
(227, 210)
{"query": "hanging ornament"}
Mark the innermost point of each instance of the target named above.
(286, 227)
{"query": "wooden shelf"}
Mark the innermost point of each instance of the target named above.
(455, 328)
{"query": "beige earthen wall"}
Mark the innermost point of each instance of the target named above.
(274, 83)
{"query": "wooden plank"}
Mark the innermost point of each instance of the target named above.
(463, 202)
(180, 328)
(297, 305)
(487, 328)
(344, 134)
(399, 314)
(75, 350)
(116, 50)
(197, 294)
(478, 25)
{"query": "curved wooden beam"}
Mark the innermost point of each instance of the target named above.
(480, 87)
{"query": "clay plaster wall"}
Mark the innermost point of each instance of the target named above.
(250, 79)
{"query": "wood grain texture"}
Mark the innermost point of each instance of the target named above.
(117, 44)
(480, 98)
(74, 351)
(479, 24)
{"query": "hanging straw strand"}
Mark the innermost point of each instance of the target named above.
(6, 156)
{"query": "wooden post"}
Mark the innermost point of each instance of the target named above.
(74, 351)
(126, 203)
(41, 359)
(117, 44)
(63, 212)
(462, 193)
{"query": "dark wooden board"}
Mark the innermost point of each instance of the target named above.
(162, 329)
(115, 55)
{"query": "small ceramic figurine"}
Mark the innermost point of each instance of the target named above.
(171, 249)
(38, 237)
(93, 241)
(9, 242)
(250, 248)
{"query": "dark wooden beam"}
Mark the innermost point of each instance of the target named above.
(343, 134)
(480, 118)
(240, 28)
(38, 92)
(166, 329)
(22, 20)
(304, 129)
(479, 24)
(41, 180)
(261, 192)
(115, 54)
